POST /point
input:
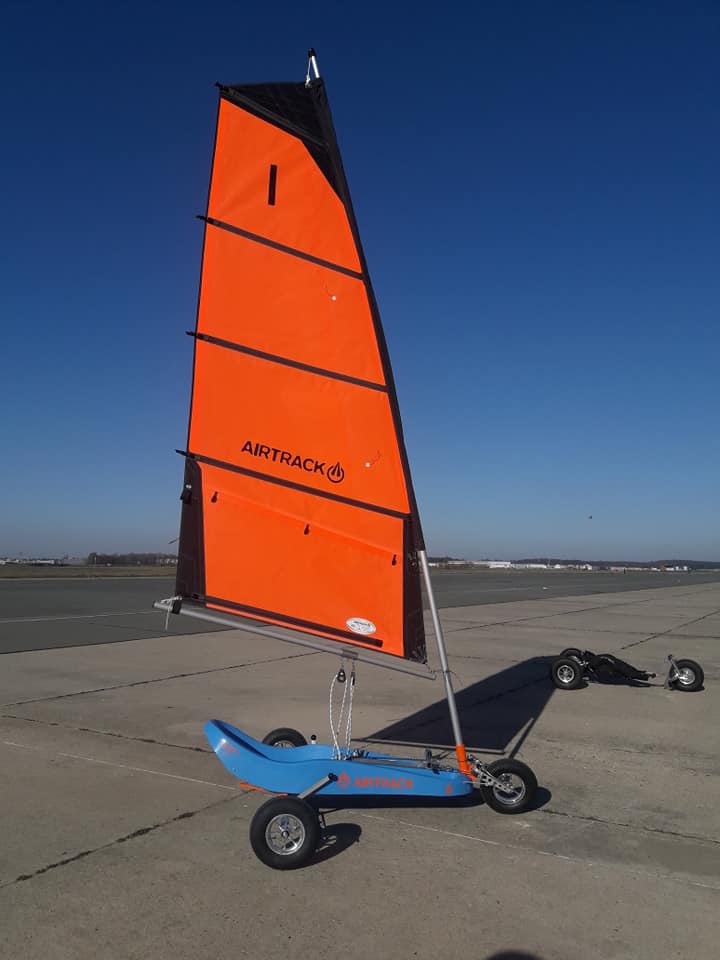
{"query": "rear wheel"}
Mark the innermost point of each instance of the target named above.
(566, 673)
(571, 652)
(516, 789)
(690, 676)
(284, 833)
(285, 737)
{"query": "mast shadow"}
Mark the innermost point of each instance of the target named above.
(497, 713)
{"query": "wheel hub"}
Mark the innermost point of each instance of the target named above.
(565, 674)
(510, 789)
(285, 834)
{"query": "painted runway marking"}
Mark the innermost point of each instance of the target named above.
(541, 853)
(75, 616)
(123, 766)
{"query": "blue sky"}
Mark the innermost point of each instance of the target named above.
(537, 189)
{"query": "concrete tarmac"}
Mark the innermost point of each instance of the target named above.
(123, 837)
(38, 614)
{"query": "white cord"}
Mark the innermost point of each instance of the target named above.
(337, 753)
(170, 601)
(348, 728)
(336, 725)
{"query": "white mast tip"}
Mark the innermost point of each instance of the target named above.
(312, 65)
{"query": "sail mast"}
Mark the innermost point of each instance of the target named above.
(444, 666)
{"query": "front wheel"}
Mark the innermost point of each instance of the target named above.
(566, 673)
(690, 676)
(516, 789)
(284, 833)
(285, 737)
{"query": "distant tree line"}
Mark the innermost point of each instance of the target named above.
(130, 559)
(606, 564)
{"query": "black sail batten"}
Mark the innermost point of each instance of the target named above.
(291, 622)
(247, 235)
(291, 485)
(275, 358)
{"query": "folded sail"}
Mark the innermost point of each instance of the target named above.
(298, 506)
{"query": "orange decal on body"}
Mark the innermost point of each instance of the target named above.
(384, 783)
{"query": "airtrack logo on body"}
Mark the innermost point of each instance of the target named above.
(375, 783)
(334, 473)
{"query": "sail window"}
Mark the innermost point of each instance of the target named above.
(272, 184)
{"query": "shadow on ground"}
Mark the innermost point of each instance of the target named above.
(513, 955)
(334, 839)
(496, 714)
(383, 802)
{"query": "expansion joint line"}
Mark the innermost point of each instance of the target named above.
(143, 831)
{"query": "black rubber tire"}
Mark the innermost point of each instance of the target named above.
(564, 663)
(302, 814)
(285, 737)
(506, 804)
(698, 681)
(571, 652)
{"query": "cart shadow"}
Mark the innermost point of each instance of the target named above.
(335, 839)
(497, 713)
(474, 799)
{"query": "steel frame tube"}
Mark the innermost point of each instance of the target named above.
(350, 653)
(440, 640)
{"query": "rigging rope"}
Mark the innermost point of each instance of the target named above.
(336, 726)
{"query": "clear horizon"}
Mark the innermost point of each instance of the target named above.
(538, 200)
(29, 558)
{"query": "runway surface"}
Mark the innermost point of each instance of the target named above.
(43, 614)
(124, 836)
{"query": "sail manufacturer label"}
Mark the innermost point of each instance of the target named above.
(361, 626)
(335, 473)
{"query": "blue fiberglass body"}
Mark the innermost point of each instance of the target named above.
(292, 771)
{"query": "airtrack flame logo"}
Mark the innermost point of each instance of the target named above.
(343, 781)
(334, 474)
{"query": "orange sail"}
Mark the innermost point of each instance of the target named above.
(298, 507)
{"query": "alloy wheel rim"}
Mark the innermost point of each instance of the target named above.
(513, 789)
(285, 834)
(565, 673)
